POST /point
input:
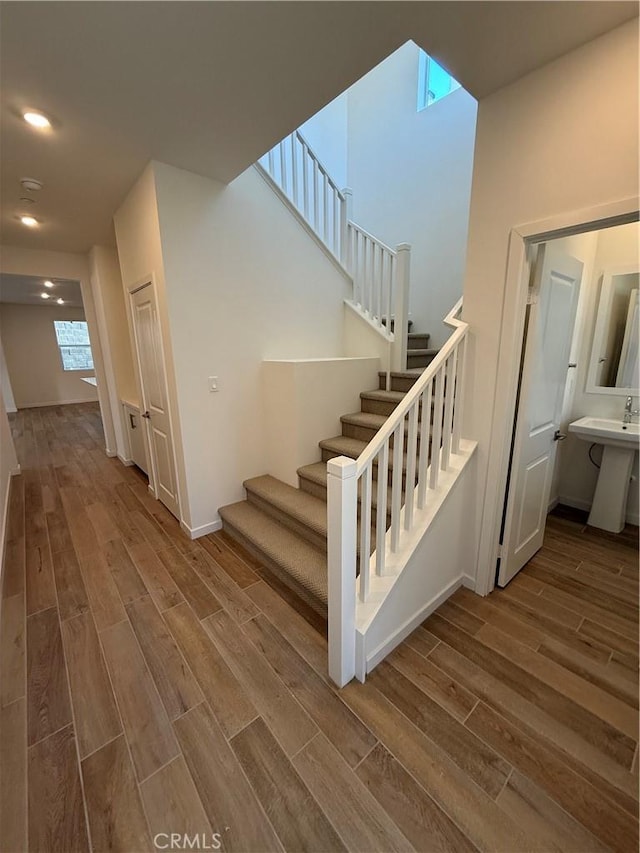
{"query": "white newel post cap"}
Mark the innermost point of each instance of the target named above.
(403, 247)
(342, 467)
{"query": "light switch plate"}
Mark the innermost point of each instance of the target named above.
(213, 383)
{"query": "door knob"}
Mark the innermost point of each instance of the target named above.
(559, 436)
(146, 415)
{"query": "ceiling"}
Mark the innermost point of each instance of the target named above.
(210, 86)
(27, 290)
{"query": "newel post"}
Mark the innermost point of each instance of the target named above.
(342, 524)
(346, 215)
(401, 307)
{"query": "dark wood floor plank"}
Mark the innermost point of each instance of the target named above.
(421, 641)
(460, 617)
(13, 575)
(473, 811)
(423, 822)
(102, 523)
(172, 805)
(195, 591)
(72, 593)
(56, 809)
(116, 816)
(587, 695)
(238, 569)
(600, 770)
(48, 706)
(611, 591)
(532, 809)
(602, 817)
(58, 529)
(176, 685)
(13, 777)
(478, 761)
(82, 533)
(15, 508)
(486, 609)
(351, 808)
(626, 627)
(591, 728)
(125, 575)
(227, 798)
(156, 578)
(610, 638)
(433, 681)
(228, 700)
(146, 724)
(95, 713)
(12, 649)
(351, 738)
(294, 813)
(583, 592)
(557, 612)
(40, 584)
(105, 602)
(232, 597)
(286, 718)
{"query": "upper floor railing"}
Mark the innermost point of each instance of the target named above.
(380, 274)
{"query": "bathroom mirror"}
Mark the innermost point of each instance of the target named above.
(613, 368)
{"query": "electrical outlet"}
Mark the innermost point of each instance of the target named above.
(213, 383)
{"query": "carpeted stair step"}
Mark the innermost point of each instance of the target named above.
(418, 340)
(401, 381)
(364, 426)
(421, 357)
(380, 402)
(340, 445)
(292, 558)
(301, 512)
(313, 479)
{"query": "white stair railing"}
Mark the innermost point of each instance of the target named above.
(408, 453)
(380, 274)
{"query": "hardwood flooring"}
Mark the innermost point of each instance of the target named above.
(152, 685)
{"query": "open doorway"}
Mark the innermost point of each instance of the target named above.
(575, 433)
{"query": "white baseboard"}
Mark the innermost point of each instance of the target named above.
(127, 462)
(469, 582)
(579, 503)
(5, 518)
(57, 403)
(410, 625)
(196, 532)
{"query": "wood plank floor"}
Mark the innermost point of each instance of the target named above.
(153, 685)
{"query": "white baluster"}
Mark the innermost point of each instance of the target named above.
(457, 405)
(401, 286)
(436, 430)
(325, 208)
(365, 532)
(316, 198)
(336, 223)
(396, 485)
(294, 170)
(283, 167)
(448, 409)
(425, 432)
(412, 452)
(381, 506)
(305, 179)
(272, 164)
(345, 218)
(342, 517)
(390, 279)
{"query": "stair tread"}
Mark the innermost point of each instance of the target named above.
(351, 447)
(418, 335)
(383, 396)
(303, 507)
(304, 562)
(432, 351)
(364, 419)
(411, 373)
(317, 473)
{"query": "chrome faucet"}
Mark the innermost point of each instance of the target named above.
(629, 412)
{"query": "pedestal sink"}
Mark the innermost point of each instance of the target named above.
(620, 443)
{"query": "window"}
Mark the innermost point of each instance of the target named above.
(433, 81)
(73, 342)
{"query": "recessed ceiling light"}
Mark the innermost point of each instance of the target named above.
(31, 184)
(29, 221)
(60, 301)
(36, 119)
(48, 284)
(44, 296)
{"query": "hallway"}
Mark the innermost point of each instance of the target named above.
(153, 685)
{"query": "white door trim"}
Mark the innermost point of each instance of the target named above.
(510, 348)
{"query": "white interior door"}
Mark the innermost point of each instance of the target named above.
(154, 407)
(543, 378)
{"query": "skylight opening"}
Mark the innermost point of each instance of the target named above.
(434, 82)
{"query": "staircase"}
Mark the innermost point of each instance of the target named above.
(286, 527)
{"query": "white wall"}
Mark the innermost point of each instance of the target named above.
(561, 139)
(40, 262)
(33, 358)
(326, 133)
(5, 383)
(303, 400)
(411, 178)
(111, 316)
(244, 283)
(612, 247)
